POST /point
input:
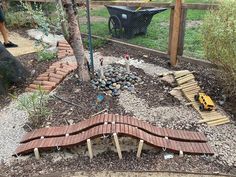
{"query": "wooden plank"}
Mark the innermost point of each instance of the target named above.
(136, 47)
(220, 123)
(190, 88)
(175, 32)
(211, 119)
(195, 61)
(216, 122)
(180, 75)
(188, 79)
(133, 3)
(182, 32)
(191, 85)
(200, 6)
(170, 29)
(186, 76)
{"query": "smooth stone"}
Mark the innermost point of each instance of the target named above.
(103, 85)
(111, 87)
(128, 84)
(109, 82)
(117, 79)
(107, 74)
(117, 93)
(113, 80)
(103, 82)
(125, 87)
(118, 86)
(114, 84)
(109, 92)
(115, 90)
(94, 86)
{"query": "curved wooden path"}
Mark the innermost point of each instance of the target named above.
(109, 118)
(120, 129)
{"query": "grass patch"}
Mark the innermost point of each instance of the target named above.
(158, 32)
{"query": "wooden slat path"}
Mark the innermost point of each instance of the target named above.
(189, 86)
(109, 118)
(120, 129)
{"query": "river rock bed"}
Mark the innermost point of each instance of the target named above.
(115, 79)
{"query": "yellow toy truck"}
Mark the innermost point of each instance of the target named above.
(206, 103)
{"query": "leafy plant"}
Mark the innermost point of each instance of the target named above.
(35, 105)
(44, 55)
(219, 40)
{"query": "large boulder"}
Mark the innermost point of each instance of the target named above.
(11, 70)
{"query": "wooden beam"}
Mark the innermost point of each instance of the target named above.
(200, 6)
(136, 47)
(170, 29)
(175, 32)
(133, 3)
(180, 50)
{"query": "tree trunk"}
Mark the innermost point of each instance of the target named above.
(11, 70)
(75, 40)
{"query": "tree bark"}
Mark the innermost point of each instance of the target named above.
(75, 40)
(11, 71)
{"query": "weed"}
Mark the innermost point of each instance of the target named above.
(44, 55)
(35, 105)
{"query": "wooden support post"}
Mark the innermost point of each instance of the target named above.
(170, 29)
(117, 145)
(36, 153)
(140, 147)
(181, 153)
(90, 149)
(175, 33)
(182, 32)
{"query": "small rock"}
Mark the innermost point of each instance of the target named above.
(118, 86)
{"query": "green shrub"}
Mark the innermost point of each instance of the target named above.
(18, 19)
(219, 40)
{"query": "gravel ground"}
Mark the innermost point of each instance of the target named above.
(12, 121)
(222, 138)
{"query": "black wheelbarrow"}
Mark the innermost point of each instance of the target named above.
(129, 21)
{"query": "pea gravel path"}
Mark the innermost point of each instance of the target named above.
(12, 121)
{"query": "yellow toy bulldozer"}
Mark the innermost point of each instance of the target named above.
(206, 103)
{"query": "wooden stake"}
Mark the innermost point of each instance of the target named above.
(181, 153)
(140, 147)
(90, 148)
(36, 153)
(175, 33)
(117, 145)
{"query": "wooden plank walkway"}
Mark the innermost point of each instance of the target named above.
(121, 125)
(109, 118)
(189, 86)
(121, 129)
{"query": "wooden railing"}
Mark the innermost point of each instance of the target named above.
(177, 22)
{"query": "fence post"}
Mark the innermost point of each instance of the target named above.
(170, 29)
(175, 32)
(182, 31)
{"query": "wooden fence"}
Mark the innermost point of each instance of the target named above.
(176, 27)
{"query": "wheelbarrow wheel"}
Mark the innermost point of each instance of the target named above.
(115, 27)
